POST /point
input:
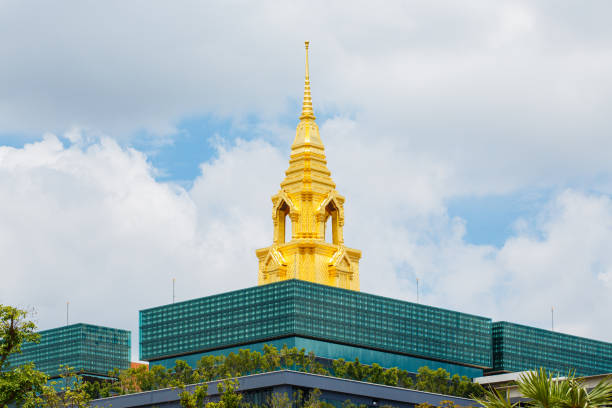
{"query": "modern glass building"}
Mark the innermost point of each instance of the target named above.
(90, 350)
(519, 348)
(332, 322)
(338, 323)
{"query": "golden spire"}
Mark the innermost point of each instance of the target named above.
(307, 112)
(306, 205)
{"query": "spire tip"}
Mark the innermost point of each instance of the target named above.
(307, 112)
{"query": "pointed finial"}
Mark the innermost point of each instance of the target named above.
(307, 43)
(307, 112)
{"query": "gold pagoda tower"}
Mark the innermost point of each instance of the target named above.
(309, 198)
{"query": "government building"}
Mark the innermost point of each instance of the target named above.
(92, 351)
(309, 297)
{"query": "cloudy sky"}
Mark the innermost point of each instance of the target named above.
(141, 141)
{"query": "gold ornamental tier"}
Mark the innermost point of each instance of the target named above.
(308, 197)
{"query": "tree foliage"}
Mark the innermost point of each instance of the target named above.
(67, 392)
(246, 362)
(17, 384)
(229, 398)
(195, 399)
(440, 382)
(278, 400)
(20, 384)
(443, 404)
(24, 386)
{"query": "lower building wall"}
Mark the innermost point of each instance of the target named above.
(329, 350)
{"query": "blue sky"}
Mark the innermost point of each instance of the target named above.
(472, 143)
(179, 158)
(489, 219)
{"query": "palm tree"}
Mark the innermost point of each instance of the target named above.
(494, 399)
(578, 396)
(543, 390)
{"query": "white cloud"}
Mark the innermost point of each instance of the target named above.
(606, 278)
(562, 268)
(91, 225)
(396, 213)
(510, 94)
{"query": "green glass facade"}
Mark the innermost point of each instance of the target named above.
(304, 310)
(89, 349)
(327, 350)
(518, 348)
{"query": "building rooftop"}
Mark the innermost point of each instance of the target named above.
(89, 349)
(258, 387)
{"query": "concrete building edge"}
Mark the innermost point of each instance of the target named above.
(279, 380)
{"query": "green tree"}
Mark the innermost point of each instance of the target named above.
(314, 400)
(433, 380)
(232, 365)
(443, 404)
(350, 404)
(339, 368)
(495, 399)
(404, 379)
(270, 358)
(248, 361)
(15, 329)
(244, 362)
(288, 357)
(182, 373)
(17, 384)
(542, 388)
(391, 376)
(68, 392)
(314, 366)
(545, 391)
(140, 379)
(301, 360)
(375, 374)
(356, 370)
(577, 395)
(210, 367)
(470, 389)
(464, 387)
(193, 399)
(230, 398)
(278, 400)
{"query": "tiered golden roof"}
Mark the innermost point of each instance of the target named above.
(309, 198)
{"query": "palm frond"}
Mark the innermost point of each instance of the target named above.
(494, 399)
(601, 394)
(542, 389)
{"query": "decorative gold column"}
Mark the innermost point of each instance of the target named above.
(308, 200)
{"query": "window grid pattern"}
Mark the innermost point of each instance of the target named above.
(519, 348)
(88, 348)
(295, 307)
